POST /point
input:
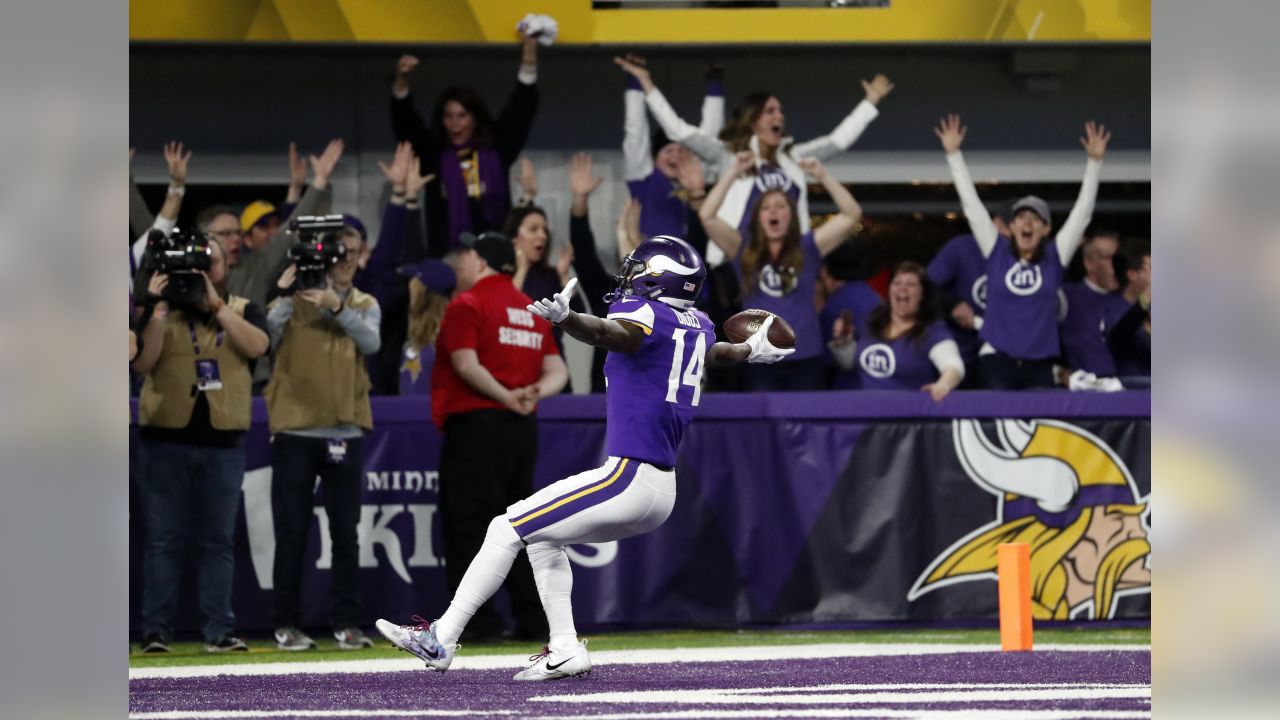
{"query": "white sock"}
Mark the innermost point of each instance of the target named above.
(552, 573)
(483, 578)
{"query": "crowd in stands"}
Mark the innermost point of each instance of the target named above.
(737, 189)
(993, 308)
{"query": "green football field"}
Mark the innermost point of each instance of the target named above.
(262, 650)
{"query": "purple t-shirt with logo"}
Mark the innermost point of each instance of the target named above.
(901, 363)
(1022, 302)
(960, 269)
(794, 306)
(662, 212)
(859, 299)
(1084, 330)
(650, 394)
(768, 177)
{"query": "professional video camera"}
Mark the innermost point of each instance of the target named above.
(316, 249)
(181, 255)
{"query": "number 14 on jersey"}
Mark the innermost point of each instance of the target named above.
(692, 373)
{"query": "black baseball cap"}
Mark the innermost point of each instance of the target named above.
(494, 247)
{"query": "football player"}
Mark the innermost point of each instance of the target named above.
(658, 346)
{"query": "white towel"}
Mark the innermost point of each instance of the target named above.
(1087, 381)
(543, 27)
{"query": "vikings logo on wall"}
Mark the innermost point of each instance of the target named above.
(1071, 498)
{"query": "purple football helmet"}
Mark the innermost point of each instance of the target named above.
(662, 268)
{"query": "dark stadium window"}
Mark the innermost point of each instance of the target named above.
(904, 221)
(199, 197)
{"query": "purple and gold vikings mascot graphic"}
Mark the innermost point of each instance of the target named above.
(1068, 496)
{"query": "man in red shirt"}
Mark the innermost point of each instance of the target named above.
(494, 361)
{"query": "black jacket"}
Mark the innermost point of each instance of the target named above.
(510, 132)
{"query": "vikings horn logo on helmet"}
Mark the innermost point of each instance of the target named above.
(663, 268)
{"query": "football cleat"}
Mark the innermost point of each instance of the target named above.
(555, 665)
(419, 639)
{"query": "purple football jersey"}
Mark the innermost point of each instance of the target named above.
(1084, 331)
(796, 306)
(651, 393)
(1022, 302)
(960, 269)
(901, 363)
(662, 212)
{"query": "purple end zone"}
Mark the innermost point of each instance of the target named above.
(494, 691)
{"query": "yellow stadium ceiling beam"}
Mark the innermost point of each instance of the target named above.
(228, 20)
(409, 21)
(493, 21)
(498, 18)
(314, 20)
(902, 21)
(267, 25)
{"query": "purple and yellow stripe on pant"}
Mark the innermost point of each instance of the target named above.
(615, 481)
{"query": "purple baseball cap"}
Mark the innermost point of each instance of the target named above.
(354, 223)
(435, 274)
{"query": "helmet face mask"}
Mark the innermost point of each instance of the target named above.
(663, 268)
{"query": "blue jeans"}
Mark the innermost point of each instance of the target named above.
(190, 492)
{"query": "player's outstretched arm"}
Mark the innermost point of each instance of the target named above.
(756, 349)
(612, 335)
(726, 353)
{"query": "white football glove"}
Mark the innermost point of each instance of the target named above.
(762, 351)
(556, 309)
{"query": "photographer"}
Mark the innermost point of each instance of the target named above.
(253, 275)
(318, 404)
(197, 345)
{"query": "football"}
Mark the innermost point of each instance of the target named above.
(741, 326)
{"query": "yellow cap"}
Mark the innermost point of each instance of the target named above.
(253, 212)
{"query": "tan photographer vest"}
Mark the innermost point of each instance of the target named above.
(319, 379)
(168, 396)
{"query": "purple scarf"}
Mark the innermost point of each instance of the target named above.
(486, 169)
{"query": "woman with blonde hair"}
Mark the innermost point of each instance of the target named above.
(777, 264)
(431, 283)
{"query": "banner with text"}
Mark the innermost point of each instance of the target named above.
(798, 508)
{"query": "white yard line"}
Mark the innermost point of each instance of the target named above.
(859, 712)
(958, 714)
(610, 657)
(246, 714)
(959, 694)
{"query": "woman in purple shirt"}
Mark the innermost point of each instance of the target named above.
(903, 345)
(778, 266)
(1024, 271)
